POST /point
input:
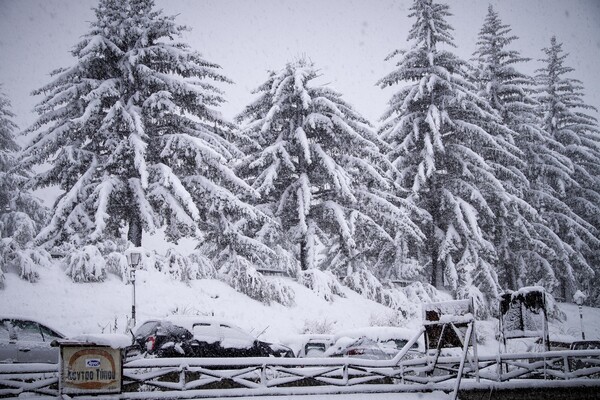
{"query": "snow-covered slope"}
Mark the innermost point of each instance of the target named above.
(76, 308)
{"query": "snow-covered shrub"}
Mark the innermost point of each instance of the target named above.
(22, 261)
(391, 318)
(177, 266)
(113, 246)
(201, 266)
(318, 326)
(367, 284)
(482, 307)
(18, 226)
(418, 292)
(85, 265)
(240, 274)
(116, 263)
(286, 261)
(63, 249)
(323, 283)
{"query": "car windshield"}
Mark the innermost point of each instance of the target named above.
(146, 329)
(586, 346)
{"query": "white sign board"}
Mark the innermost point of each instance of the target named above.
(90, 369)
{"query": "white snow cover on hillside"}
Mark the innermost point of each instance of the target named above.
(92, 308)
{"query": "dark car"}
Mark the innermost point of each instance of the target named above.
(200, 337)
(24, 340)
(585, 362)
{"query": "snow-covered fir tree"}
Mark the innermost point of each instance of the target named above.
(135, 140)
(567, 120)
(436, 126)
(318, 168)
(21, 214)
(525, 244)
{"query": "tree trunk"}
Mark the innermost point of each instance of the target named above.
(303, 255)
(436, 273)
(436, 266)
(134, 234)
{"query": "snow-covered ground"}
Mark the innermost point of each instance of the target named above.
(76, 308)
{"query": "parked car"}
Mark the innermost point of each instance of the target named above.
(25, 340)
(182, 336)
(375, 343)
(585, 362)
(585, 345)
(360, 348)
(309, 344)
(556, 342)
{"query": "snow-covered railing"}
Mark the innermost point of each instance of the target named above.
(16, 379)
(209, 377)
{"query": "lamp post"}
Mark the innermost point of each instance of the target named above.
(133, 259)
(579, 299)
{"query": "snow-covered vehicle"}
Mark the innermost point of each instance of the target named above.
(310, 344)
(25, 340)
(377, 343)
(183, 336)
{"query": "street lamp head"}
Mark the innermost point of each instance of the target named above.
(579, 298)
(133, 258)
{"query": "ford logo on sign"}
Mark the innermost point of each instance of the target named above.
(92, 363)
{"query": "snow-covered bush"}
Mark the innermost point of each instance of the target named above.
(19, 226)
(113, 246)
(185, 268)
(318, 326)
(482, 307)
(240, 274)
(85, 265)
(116, 263)
(201, 266)
(418, 292)
(177, 266)
(323, 283)
(391, 318)
(367, 284)
(22, 261)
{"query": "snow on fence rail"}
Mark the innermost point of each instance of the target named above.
(206, 377)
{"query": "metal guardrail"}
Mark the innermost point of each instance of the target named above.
(211, 377)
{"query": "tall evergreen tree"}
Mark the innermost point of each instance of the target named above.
(21, 214)
(436, 127)
(320, 173)
(525, 244)
(134, 138)
(566, 119)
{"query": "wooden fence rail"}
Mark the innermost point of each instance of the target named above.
(207, 377)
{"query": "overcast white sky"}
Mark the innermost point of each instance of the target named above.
(347, 39)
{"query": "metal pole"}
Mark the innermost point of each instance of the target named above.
(581, 320)
(133, 299)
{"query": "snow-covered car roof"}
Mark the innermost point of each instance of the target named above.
(188, 321)
(382, 334)
(379, 333)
